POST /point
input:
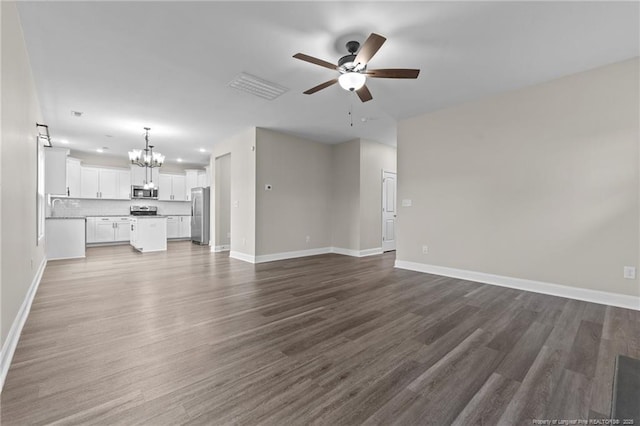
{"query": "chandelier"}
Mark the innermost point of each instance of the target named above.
(146, 158)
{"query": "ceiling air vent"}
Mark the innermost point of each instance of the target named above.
(257, 86)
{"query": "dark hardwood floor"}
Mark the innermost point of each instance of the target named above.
(192, 337)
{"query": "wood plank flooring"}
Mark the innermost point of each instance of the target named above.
(192, 337)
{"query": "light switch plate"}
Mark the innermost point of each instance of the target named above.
(629, 272)
(407, 203)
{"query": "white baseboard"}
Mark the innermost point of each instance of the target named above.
(356, 253)
(67, 258)
(10, 344)
(587, 295)
(292, 254)
(242, 256)
(217, 249)
(302, 253)
(370, 252)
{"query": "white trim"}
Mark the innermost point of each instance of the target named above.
(345, 252)
(292, 254)
(10, 344)
(218, 249)
(67, 258)
(242, 256)
(370, 252)
(301, 253)
(584, 294)
(356, 253)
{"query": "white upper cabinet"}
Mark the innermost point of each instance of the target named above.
(89, 187)
(171, 188)
(191, 181)
(73, 177)
(108, 182)
(55, 171)
(124, 184)
(202, 179)
(96, 182)
(178, 186)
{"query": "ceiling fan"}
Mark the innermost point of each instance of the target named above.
(353, 68)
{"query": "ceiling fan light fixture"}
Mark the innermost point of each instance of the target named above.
(352, 81)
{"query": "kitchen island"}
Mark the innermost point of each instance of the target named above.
(148, 233)
(65, 237)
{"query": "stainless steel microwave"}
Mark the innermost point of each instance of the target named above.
(140, 192)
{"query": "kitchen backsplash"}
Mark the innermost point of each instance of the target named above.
(86, 207)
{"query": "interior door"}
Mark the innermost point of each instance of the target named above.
(389, 212)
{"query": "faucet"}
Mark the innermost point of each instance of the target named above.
(53, 204)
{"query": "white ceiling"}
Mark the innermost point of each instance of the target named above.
(167, 65)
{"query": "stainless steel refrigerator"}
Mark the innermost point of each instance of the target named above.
(200, 215)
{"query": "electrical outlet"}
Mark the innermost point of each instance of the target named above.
(228, 234)
(308, 239)
(425, 249)
(629, 272)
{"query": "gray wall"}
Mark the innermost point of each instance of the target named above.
(298, 205)
(20, 255)
(539, 183)
(345, 200)
(223, 200)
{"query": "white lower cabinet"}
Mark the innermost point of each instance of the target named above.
(178, 227)
(185, 226)
(107, 229)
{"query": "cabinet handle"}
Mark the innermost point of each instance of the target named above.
(68, 193)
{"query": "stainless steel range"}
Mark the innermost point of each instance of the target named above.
(144, 211)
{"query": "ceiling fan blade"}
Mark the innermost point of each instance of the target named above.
(321, 86)
(316, 61)
(364, 94)
(369, 48)
(393, 73)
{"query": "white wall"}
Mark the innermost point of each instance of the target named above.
(345, 197)
(539, 183)
(299, 171)
(20, 256)
(223, 200)
(243, 191)
(374, 158)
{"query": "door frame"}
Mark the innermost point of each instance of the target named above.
(382, 206)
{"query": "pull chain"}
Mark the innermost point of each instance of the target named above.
(350, 111)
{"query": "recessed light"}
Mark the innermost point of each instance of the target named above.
(100, 150)
(77, 113)
(203, 150)
(179, 160)
(64, 141)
